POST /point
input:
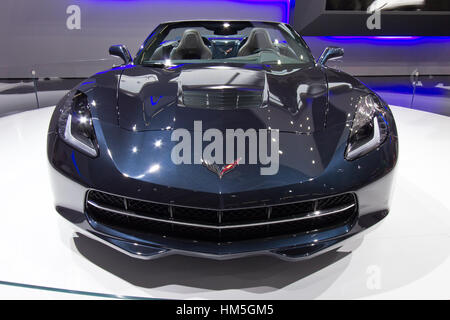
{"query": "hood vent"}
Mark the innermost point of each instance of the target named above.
(224, 99)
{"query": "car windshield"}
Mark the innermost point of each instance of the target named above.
(224, 42)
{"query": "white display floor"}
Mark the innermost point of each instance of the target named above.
(406, 256)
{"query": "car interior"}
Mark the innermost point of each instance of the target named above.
(193, 45)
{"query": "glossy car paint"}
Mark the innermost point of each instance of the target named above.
(135, 109)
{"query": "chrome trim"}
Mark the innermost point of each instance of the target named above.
(314, 214)
(376, 139)
(224, 209)
(70, 139)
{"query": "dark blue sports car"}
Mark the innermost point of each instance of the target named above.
(222, 139)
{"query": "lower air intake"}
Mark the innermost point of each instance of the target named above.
(131, 215)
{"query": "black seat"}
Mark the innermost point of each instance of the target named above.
(258, 39)
(191, 47)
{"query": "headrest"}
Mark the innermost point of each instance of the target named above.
(258, 39)
(191, 46)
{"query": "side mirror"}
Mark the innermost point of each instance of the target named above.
(121, 51)
(330, 53)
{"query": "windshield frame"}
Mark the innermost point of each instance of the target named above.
(162, 29)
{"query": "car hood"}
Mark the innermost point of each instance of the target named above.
(290, 99)
(146, 157)
(135, 139)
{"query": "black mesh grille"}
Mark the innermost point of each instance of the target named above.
(293, 209)
(245, 215)
(206, 219)
(332, 202)
(222, 99)
(195, 215)
(107, 199)
(131, 223)
(148, 208)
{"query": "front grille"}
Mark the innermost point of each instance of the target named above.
(131, 215)
(222, 99)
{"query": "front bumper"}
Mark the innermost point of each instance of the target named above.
(373, 206)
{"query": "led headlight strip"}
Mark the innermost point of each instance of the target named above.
(369, 128)
(75, 124)
(70, 139)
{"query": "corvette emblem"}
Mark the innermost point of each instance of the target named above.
(220, 171)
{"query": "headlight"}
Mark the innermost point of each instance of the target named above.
(75, 125)
(369, 128)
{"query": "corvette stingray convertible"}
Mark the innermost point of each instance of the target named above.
(222, 139)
